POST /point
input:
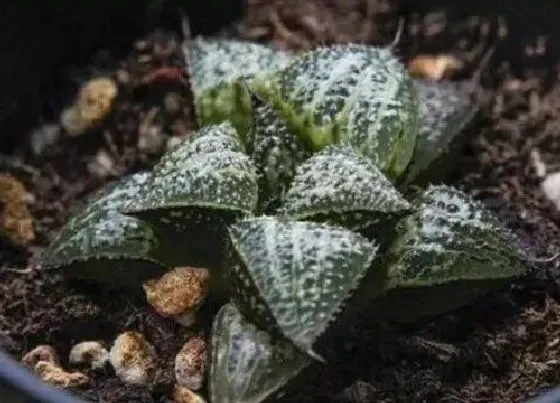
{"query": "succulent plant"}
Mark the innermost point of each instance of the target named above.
(291, 193)
(219, 69)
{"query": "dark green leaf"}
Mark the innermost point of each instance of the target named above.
(340, 186)
(277, 152)
(196, 189)
(208, 171)
(449, 252)
(293, 277)
(217, 68)
(247, 365)
(444, 110)
(99, 242)
(353, 94)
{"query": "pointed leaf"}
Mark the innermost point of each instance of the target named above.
(247, 365)
(209, 171)
(450, 251)
(340, 186)
(277, 152)
(354, 94)
(101, 243)
(293, 277)
(444, 110)
(195, 190)
(217, 68)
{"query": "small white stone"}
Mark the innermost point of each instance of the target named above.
(551, 188)
(133, 358)
(102, 165)
(538, 164)
(89, 352)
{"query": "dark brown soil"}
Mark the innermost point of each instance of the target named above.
(504, 348)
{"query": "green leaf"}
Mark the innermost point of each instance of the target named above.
(208, 171)
(449, 252)
(101, 243)
(218, 69)
(293, 277)
(445, 110)
(340, 186)
(196, 190)
(276, 152)
(247, 365)
(353, 94)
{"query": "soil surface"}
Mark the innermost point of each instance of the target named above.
(504, 348)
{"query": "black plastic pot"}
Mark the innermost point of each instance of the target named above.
(552, 396)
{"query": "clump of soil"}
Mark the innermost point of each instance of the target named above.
(502, 349)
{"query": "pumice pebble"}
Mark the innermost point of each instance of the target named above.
(190, 363)
(55, 375)
(185, 395)
(133, 358)
(42, 352)
(179, 293)
(89, 352)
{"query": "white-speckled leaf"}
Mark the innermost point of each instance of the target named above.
(444, 112)
(293, 277)
(450, 251)
(208, 171)
(217, 69)
(195, 190)
(247, 365)
(99, 242)
(352, 94)
(340, 186)
(276, 152)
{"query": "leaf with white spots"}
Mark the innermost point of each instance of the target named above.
(208, 171)
(101, 243)
(218, 69)
(196, 189)
(449, 252)
(293, 277)
(247, 365)
(342, 187)
(357, 95)
(276, 152)
(445, 110)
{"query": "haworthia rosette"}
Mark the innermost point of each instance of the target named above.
(218, 69)
(357, 196)
(450, 251)
(293, 277)
(444, 111)
(354, 94)
(247, 365)
(99, 242)
(276, 152)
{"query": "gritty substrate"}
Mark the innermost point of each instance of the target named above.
(502, 349)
